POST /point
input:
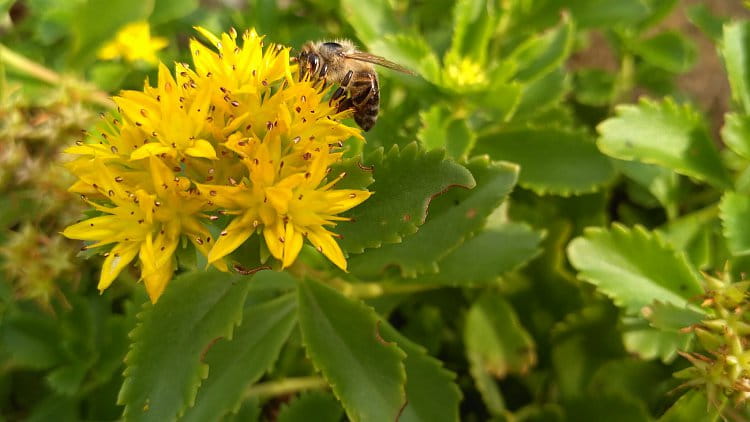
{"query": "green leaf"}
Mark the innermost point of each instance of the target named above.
(237, 363)
(371, 19)
(169, 10)
(473, 26)
(498, 249)
(646, 342)
(54, 408)
(410, 50)
(30, 340)
(543, 54)
(594, 87)
(668, 317)
(67, 379)
(312, 407)
(630, 377)
(700, 15)
(341, 338)
(496, 342)
(634, 267)
(405, 183)
(432, 394)
(694, 233)
(605, 408)
(440, 130)
(250, 411)
(736, 133)
(667, 134)
(541, 94)
(668, 50)
(165, 362)
(581, 344)
(500, 100)
(735, 49)
(735, 210)
(463, 212)
(692, 406)
(605, 13)
(551, 159)
(662, 183)
(97, 21)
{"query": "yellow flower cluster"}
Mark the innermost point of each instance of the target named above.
(133, 43)
(239, 135)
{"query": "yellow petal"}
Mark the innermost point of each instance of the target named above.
(109, 51)
(207, 34)
(274, 236)
(232, 197)
(157, 280)
(166, 242)
(147, 150)
(279, 198)
(344, 199)
(323, 241)
(119, 257)
(202, 149)
(236, 233)
(97, 228)
(292, 245)
(161, 175)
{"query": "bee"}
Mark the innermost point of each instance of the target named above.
(352, 70)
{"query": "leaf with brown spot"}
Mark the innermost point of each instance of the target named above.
(453, 217)
(406, 181)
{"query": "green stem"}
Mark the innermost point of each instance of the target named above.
(359, 290)
(37, 71)
(284, 386)
(625, 79)
(370, 290)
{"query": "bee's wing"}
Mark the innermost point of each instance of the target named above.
(371, 58)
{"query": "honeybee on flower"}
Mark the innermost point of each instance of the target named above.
(238, 134)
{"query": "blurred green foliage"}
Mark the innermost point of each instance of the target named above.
(513, 299)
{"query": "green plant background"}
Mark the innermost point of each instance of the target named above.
(520, 297)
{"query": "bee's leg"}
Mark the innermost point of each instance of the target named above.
(344, 104)
(337, 94)
(346, 79)
(323, 70)
(342, 88)
(314, 63)
(309, 63)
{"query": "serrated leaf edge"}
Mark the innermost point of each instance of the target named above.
(638, 230)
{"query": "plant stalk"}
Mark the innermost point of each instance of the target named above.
(37, 71)
(284, 386)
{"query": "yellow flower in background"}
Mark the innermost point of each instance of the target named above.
(464, 72)
(132, 43)
(237, 136)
